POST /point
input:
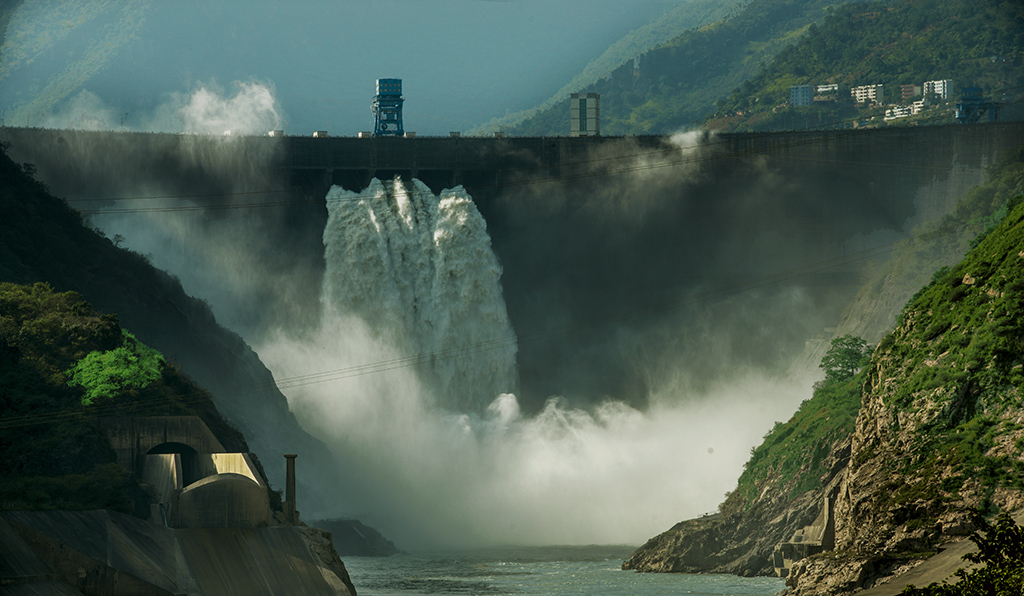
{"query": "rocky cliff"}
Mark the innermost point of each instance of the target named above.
(940, 429)
(941, 400)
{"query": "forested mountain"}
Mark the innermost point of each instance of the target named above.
(62, 366)
(890, 43)
(42, 239)
(736, 74)
(676, 85)
(682, 17)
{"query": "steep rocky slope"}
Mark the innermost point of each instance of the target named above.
(940, 429)
(800, 462)
(43, 240)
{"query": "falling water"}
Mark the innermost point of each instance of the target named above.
(418, 269)
(434, 443)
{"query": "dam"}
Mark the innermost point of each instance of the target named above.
(633, 270)
(563, 214)
(484, 164)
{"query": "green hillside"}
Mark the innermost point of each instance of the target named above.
(891, 43)
(736, 74)
(958, 350)
(681, 17)
(63, 364)
(676, 85)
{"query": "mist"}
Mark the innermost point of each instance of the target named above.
(607, 474)
(248, 108)
(429, 469)
(463, 61)
(648, 353)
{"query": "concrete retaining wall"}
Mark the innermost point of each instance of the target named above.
(106, 553)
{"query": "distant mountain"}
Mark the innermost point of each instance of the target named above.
(889, 43)
(685, 16)
(676, 84)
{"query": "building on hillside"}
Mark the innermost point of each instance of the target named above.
(865, 93)
(917, 106)
(827, 89)
(941, 88)
(585, 115)
(898, 112)
(800, 95)
(909, 91)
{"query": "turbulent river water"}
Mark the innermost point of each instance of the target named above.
(541, 571)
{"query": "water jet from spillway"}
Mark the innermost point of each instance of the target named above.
(437, 446)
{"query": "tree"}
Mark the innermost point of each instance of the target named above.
(105, 375)
(844, 358)
(1001, 550)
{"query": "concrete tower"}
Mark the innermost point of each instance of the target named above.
(585, 115)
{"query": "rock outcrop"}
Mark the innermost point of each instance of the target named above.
(939, 432)
(742, 537)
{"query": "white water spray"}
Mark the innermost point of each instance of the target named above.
(419, 271)
(411, 273)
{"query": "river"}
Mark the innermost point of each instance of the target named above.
(537, 571)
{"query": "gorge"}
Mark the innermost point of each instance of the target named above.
(651, 286)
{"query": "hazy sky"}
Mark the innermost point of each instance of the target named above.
(463, 62)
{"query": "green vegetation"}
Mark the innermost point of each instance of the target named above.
(796, 450)
(62, 364)
(1000, 550)
(736, 74)
(960, 349)
(685, 16)
(963, 331)
(978, 330)
(677, 84)
(891, 43)
(844, 358)
(103, 375)
(55, 455)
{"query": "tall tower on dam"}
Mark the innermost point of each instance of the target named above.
(585, 115)
(387, 108)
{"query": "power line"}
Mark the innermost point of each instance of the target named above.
(475, 348)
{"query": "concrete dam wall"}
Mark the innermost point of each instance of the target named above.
(586, 229)
(105, 552)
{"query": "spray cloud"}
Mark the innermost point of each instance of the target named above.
(486, 472)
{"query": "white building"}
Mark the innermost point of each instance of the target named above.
(941, 88)
(585, 115)
(898, 112)
(873, 93)
(801, 95)
(826, 89)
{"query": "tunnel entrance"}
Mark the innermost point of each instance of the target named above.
(189, 459)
